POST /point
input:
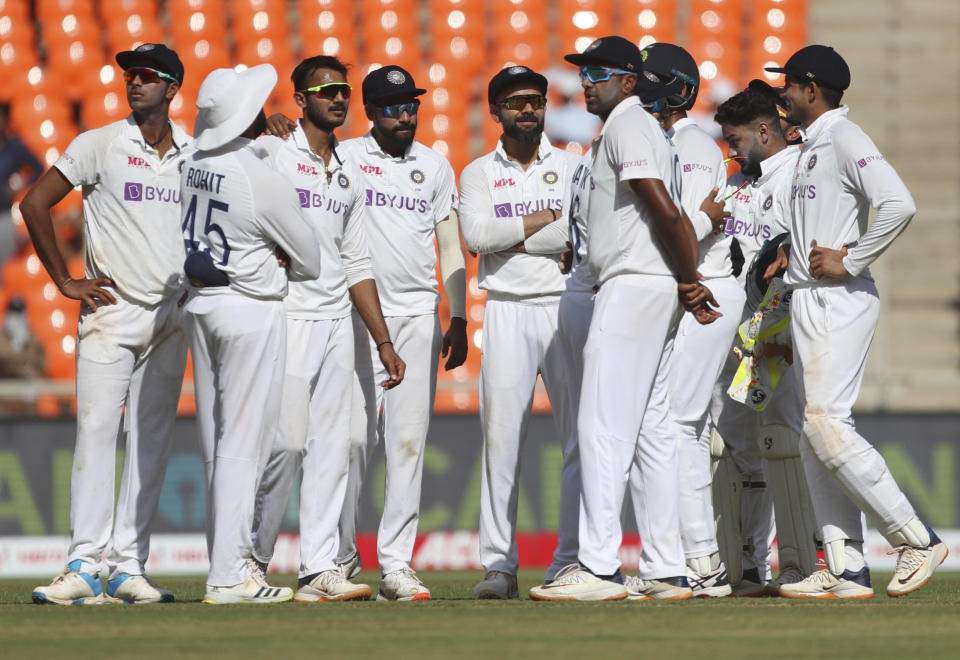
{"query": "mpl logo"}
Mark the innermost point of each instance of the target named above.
(503, 183)
(136, 161)
(372, 169)
(503, 210)
(133, 192)
(303, 168)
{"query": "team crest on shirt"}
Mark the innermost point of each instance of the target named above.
(343, 181)
(417, 176)
(812, 162)
(396, 77)
(768, 203)
(550, 177)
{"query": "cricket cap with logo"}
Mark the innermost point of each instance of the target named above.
(820, 64)
(389, 83)
(610, 51)
(228, 102)
(514, 75)
(154, 56)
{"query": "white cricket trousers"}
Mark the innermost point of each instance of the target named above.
(833, 326)
(238, 346)
(400, 418)
(625, 417)
(576, 310)
(699, 354)
(519, 341)
(134, 356)
(314, 430)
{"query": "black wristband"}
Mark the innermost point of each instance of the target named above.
(384, 342)
(556, 216)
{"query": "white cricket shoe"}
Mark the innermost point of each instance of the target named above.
(497, 585)
(254, 591)
(351, 567)
(915, 566)
(328, 586)
(751, 585)
(574, 582)
(671, 588)
(824, 584)
(707, 577)
(137, 589)
(788, 575)
(403, 585)
(72, 588)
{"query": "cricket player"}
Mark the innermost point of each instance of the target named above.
(839, 176)
(315, 426)
(700, 351)
(410, 195)
(238, 214)
(131, 350)
(624, 414)
(511, 212)
(759, 470)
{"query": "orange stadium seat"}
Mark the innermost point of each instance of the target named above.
(647, 21)
(57, 9)
(582, 21)
(256, 19)
(457, 35)
(518, 34)
(103, 107)
(714, 38)
(777, 30)
(183, 108)
(265, 50)
(23, 78)
(16, 27)
(110, 8)
(326, 28)
(126, 31)
(199, 58)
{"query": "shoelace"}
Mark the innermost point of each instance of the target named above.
(909, 558)
(566, 572)
(823, 576)
(408, 574)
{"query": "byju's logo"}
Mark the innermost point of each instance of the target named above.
(304, 196)
(503, 210)
(133, 192)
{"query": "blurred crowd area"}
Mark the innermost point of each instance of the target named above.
(60, 78)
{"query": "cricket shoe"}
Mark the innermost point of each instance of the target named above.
(788, 575)
(351, 567)
(137, 590)
(707, 577)
(403, 585)
(915, 566)
(668, 588)
(254, 591)
(497, 585)
(824, 584)
(72, 588)
(751, 585)
(574, 582)
(328, 586)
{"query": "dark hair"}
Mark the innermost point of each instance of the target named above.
(311, 64)
(831, 96)
(747, 107)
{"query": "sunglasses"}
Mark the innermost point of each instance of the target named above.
(536, 101)
(147, 75)
(397, 109)
(329, 91)
(595, 73)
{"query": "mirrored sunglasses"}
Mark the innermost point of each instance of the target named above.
(397, 109)
(329, 90)
(519, 102)
(596, 73)
(147, 75)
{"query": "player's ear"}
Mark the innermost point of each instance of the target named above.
(628, 84)
(370, 111)
(172, 89)
(792, 135)
(495, 112)
(300, 99)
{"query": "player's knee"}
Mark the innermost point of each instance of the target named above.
(829, 438)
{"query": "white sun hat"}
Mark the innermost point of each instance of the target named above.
(228, 102)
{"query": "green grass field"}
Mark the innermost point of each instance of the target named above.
(924, 624)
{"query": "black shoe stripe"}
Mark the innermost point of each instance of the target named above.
(259, 591)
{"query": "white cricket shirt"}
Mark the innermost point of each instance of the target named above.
(405, 198)
(581, 279)
(495, 194)
(631, 146)
(701, 171)
(332, 197)
(239, 209)
(760, 209)
(131, 208)
(839, 176)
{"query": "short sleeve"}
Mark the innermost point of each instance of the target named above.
(631, 150)
(79, 164)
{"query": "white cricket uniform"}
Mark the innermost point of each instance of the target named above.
(130, 354)
(317, 388)
(624, 400)
(839, 176)
(239, 210)
(405, 198)
(576, 310)
(699, 350)
(520, 322)
(759, 210)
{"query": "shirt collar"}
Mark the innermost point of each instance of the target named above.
(682, 123)
(180, 137)
(543, 150)
(300, 139)
(825, 121)
(770, 164)
(373, 147)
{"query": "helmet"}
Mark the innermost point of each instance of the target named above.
(670, 78)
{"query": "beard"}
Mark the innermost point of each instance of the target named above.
(404, 140)
(750, 167)
(524, 135)
(315, 117)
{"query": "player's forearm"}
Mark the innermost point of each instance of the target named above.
(452, 265)
(366, 300)
(680, 242)
(552, 239)
(892, 218)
